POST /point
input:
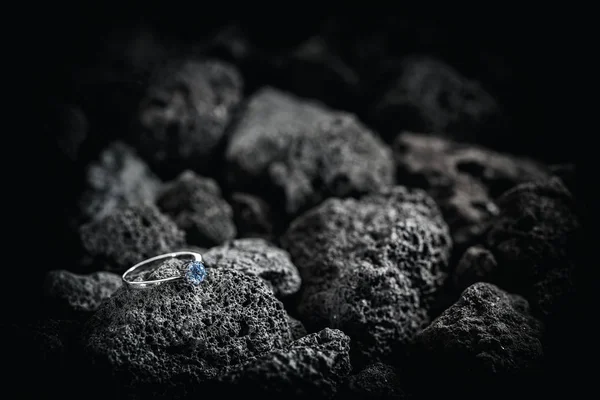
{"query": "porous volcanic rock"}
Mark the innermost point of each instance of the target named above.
(370, 267)
(168, 340)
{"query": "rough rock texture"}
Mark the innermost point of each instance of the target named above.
(79, 294)
(487, 337)
(118, 178)
(130, 235)
(197, 207)
(376, 382)
(370, 266)
(252, 216)
(183, 116)
(169, 340)
(258, 257)
(534, 241)
(296, 328)
(463, 179)
(311, 367)
(304, 151)
(430, 96)
(477, 264)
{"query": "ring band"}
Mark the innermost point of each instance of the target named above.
(193, 271)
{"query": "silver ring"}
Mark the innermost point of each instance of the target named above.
(193, 271)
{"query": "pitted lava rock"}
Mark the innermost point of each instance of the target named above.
(310, 367)
(304, 151)
(184, 113)
(377, 381)
(534, 241)
(430, 96)
(119, 178)
(169, 268)
(167, 341)
(130, 235)
(79, 294)
(370, 267)
(488, 336)
(252, 215)
(258, 257)
(464, 179)
(196, 205)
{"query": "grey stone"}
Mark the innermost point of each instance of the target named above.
(196, 205)
(119, 178)
(169, 340)
(261, 258)
(304, 151)
(184, 113)
(310, 367)
(80, 293)
(489, 336)
(430, 96)
(130, 235)
(463, 179)
(377, 381)
(370, 267)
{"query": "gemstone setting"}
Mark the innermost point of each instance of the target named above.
(195, 272)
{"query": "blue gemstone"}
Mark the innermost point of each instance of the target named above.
(195, 273)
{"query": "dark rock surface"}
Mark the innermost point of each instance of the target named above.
(74, 294)
(534, 241)
(184, 113)
(488, 337)
(252, 215)
(376, 382)
(370, 266)
(130, 235)
(310, 367)
(304, 152)
(260, 258)
(430, 96)
(119, 178)
(196, 205)
(167, 341)
(464, 179)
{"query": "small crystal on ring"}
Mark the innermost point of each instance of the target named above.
(195, 272)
